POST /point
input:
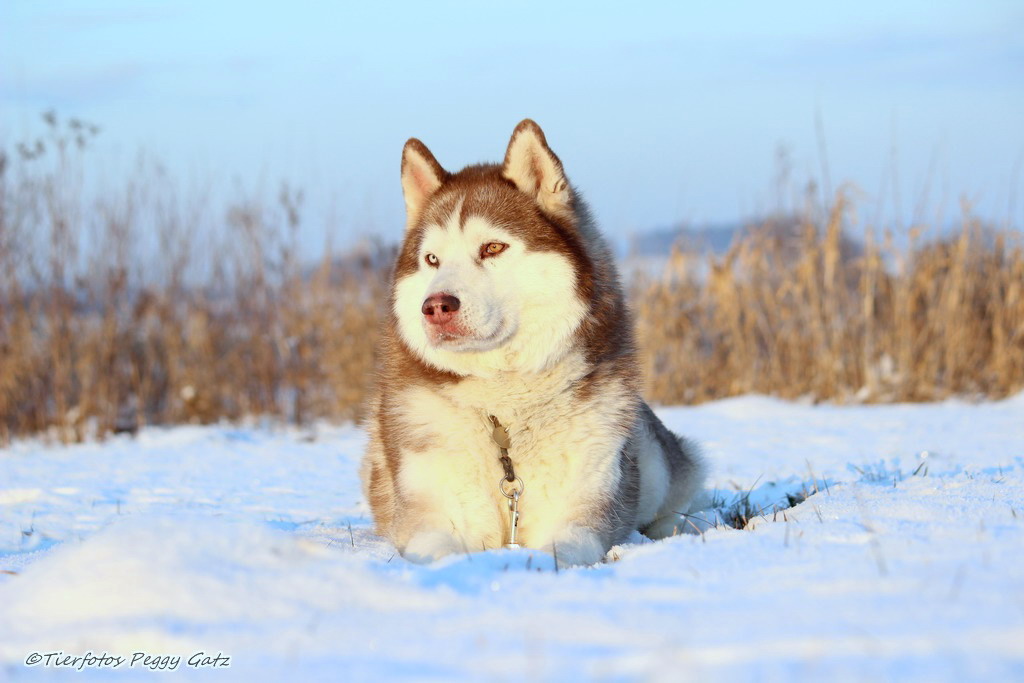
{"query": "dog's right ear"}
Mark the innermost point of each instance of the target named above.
(421, 177)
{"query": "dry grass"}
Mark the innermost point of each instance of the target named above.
(800, 314)
(96, 337)
(223, 323)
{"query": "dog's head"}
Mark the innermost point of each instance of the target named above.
(493, 272)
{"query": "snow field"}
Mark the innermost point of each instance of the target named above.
(900, 557)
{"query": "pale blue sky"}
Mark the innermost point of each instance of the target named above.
(661, 112)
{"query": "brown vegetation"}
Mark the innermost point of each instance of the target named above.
(799, 315)
(224, 322)
(95, 338)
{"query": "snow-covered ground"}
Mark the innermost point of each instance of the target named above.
(905, 560)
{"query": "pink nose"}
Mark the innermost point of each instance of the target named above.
(440, 308)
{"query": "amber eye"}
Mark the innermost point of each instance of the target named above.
(492, 249)
(432, 260)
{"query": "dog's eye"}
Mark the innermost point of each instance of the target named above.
(432, 260)
(492, 249)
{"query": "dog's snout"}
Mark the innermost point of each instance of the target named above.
(440, 308)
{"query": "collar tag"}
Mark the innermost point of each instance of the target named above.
(499, 434)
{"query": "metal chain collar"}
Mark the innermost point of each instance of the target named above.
(510, 485)
(501, 438)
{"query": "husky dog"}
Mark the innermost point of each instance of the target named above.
(506, 313)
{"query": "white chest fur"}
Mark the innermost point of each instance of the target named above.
(565, 449)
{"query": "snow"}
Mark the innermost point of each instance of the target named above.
(254, 543)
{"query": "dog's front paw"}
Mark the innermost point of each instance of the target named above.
(427, 546)
(576, 546)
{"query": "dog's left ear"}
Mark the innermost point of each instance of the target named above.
(535, 170)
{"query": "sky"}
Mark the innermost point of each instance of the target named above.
(663, 113)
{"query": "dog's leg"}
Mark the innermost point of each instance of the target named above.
(427, 534)
(579, 520)
(683, 498)
(574, 545)
(429, 545)
(445, 502)
(435, 522)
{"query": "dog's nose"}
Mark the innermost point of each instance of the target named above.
(440, 308)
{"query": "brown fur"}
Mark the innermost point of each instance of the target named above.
(559, 222)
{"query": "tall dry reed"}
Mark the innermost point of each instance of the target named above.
(142, 309)
(793, 310)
